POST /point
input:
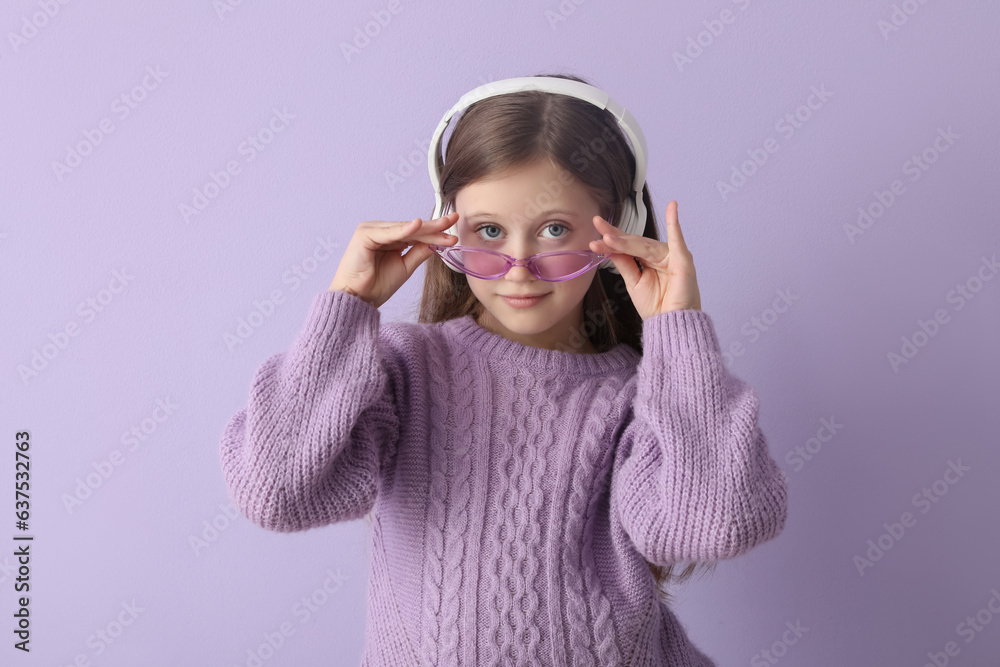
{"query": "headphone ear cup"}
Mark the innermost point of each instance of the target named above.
(630, 220)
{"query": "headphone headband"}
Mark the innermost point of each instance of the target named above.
(633, 217)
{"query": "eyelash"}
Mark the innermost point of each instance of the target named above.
(557, 224)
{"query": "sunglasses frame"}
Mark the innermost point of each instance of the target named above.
(528, 262)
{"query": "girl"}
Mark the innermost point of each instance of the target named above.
(544, 440)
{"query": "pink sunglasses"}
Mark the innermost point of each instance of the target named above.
(552, 267)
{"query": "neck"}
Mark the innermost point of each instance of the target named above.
(509, 354)
(558, 338)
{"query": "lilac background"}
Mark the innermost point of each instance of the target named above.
(356, 121)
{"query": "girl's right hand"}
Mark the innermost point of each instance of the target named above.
(373, 267)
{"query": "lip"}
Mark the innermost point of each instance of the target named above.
(515, 301)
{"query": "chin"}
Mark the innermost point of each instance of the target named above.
(519, 322)
(526, 322)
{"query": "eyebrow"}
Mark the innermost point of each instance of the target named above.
(544, 214)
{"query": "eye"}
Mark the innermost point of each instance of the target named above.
(565, 229)
(493, 233)
(488, 237)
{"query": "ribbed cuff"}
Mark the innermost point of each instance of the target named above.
(680, 332)
(333, 307)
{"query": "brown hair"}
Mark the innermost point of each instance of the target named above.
(509, 131)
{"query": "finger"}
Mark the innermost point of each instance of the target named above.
(440, 238)
(624, 262)
(602, 247)
(416, 230)
(674, 236)
(387, 234)
(432, 231)
(603, 226)
(415, 256)
(411, 229)
(436, 239)
(627, 268)
(638, 246)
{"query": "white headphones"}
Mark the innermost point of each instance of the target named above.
(632, 217)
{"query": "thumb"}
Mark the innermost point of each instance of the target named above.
(627, 267)
(415, 256)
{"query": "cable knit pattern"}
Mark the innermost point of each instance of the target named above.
(516, 490)
(586, 477)
(529, 530)
(448, 526)
(509, 560)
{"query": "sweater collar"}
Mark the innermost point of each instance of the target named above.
(483, 342)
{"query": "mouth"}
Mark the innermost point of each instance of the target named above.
(522, 301)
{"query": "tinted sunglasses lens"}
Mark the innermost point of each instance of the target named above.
(478, 262)
(554, 267)
(483, 263)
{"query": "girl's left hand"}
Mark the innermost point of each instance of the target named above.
(667, 279)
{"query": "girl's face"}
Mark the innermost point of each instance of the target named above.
(535, 209)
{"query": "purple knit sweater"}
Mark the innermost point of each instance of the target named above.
(515, 490)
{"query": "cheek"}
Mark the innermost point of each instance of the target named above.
(576, 288)
(478, 286)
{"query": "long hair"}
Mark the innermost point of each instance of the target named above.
(513, 130)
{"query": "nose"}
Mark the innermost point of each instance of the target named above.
(520, 272)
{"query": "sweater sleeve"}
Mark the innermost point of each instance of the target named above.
(307, 448)
(695, 481)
